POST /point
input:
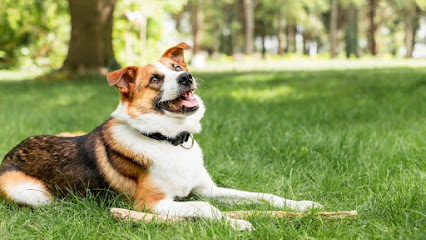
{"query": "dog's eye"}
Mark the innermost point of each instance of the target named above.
(154, 78)
(177, 68)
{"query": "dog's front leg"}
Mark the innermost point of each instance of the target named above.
(169, 207)
(208, 189)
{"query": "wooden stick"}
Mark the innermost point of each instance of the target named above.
(125, 214)
(284, 214)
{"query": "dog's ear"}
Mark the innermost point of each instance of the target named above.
(123, 79)
(176, 53)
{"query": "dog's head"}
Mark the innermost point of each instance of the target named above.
(159, 97)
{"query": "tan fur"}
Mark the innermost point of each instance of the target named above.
(117, 181)
(176, 53)
(128, 172)
(71, 134)
(125, 151)
(13, 178)
(147, 194)
(142, 100)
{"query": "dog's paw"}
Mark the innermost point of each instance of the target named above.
(293, 205)
(240, 225)
(303, 206)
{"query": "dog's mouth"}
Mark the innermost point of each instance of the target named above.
(185, 103)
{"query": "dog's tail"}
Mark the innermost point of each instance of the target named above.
(23, 189)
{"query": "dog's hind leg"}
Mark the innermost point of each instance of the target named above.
(208, 189)
(21, 188)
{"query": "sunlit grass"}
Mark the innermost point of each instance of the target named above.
(262, 94)
(18, 75)
(308, 64)
(349, 139)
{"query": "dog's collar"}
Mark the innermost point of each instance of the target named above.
(181, 138)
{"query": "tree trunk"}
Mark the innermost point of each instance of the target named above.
(333, 28)
(411, 24)
(351, 34)
(373, 26)
(227, 40)
(263, 37)
(90, 48)
(291, 33)
(197, 24)
(409, 36)
(249, 26)
(281, 24)
(305, 48)
(178, 18)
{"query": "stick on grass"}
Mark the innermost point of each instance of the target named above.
(135, 216)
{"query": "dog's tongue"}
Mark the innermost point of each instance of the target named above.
(187, 99)
(188, 103)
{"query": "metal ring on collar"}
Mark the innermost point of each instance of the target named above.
(192, 143)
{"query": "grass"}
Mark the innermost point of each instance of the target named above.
(348, 138)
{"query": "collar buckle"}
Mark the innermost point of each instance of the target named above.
(192, 142)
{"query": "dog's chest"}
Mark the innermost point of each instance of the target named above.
(175, 170)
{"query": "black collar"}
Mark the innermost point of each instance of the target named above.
(179, 139)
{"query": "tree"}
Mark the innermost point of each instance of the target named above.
(90, 48)
(310, 17)
(291, 12)
(351, 34)
(265, 21)
(248, 26)
(36, 38)
(280, 34)
(410, 11)
(348, 19)
(291, 36)
(231, 28)
(197, 24)
(333, 28)
(411, 18)
(373, 26)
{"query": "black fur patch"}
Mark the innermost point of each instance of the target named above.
(62, 163)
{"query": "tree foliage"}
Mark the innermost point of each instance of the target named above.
(33, 32)
(36, 33)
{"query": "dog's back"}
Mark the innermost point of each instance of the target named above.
(51, 165)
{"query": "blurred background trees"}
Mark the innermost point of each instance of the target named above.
(93, 36)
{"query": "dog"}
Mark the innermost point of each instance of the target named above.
(145, 150)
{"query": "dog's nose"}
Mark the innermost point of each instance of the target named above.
(185, 79)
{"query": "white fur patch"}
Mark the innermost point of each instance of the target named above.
(187, 209)
(233, 196)
(29, 193)
(167, 125)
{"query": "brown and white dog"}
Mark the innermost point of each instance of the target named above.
(145, 151)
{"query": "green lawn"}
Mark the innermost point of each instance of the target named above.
(351, 139)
